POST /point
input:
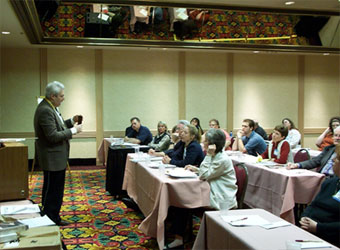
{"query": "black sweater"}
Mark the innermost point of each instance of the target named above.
(326, 212)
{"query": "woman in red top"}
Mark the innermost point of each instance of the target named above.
(326, 138)
(278, 149)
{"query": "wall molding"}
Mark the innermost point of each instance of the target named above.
(31, 135)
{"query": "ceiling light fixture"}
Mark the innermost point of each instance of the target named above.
(5, 32)
(326, 54)
(289, 3)
(80, 47)
(256, 51)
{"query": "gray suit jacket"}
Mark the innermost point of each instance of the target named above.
(52, 146)
(319, 161)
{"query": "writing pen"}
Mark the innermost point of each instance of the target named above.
(308, 241)
(239, 219)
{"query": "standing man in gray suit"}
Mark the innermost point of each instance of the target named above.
(52, 148)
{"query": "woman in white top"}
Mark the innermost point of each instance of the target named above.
(294, 135)
(217, 169)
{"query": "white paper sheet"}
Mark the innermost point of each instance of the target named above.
(20, 209)
(316, 244)
(282, 223)
(12, 139)
(38, 222)
(245, 220)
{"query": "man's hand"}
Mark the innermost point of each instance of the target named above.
(240, 133)
(78, 127)
(308, 224)
(291, 165)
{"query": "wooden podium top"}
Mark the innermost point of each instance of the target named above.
(14, 144)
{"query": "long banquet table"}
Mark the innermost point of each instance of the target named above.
(276, 189)
(215, 233)
(155, 192)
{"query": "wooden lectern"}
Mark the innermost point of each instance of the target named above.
(13, 171)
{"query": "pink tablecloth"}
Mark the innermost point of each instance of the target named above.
(103, 150)
(155, 193)
(214, 233)
(277, 190)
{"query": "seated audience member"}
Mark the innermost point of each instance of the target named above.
(179, 146)
(258, 129)
(324, 160)
(326, 138)
(196, 122)
(175, 135)
(322, 216)
(278, 149)
(294, 135)
(161, 141)
(248, 141)
(192, 153)
(214, 123)
(218, 170)
(137, 133)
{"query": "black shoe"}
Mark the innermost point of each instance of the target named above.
(63, 223)
(130, 203)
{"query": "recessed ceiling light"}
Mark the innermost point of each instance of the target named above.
(256, 52)
(80, 47)
(326, 54)
(5, 32)
(289, 3)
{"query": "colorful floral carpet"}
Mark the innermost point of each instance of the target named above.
(69, 21)
(97, 221)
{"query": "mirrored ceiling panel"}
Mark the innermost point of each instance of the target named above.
(92, 23)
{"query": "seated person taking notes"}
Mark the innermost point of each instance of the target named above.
(323, 160)
(322, 216)
(278, 149)
(248, 141)
(137, 133)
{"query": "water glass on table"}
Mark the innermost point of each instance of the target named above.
(161, 169)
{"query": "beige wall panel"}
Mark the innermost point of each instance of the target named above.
(139, 83)
(309, 141)
(83, 148)
(75, 69)
(265, 88)
(322, 90)
(20, 81)
(206, 94)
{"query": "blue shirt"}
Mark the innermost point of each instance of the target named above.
(254, 144)
(144, 134)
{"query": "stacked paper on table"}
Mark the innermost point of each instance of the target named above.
(181, 173)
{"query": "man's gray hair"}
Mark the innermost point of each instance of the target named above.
(54, 88)
(217, 137)
(184, 122)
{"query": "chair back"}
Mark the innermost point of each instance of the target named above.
(301, 155)
(241, 172)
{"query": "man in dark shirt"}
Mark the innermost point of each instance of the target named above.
(258, 129)
(137, 133)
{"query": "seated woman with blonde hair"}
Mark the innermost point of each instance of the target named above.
(161, 141)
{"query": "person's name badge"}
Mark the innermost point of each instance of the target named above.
(337, 196)
(276, 152)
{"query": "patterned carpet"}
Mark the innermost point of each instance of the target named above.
(98, 222)
(69, 21)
